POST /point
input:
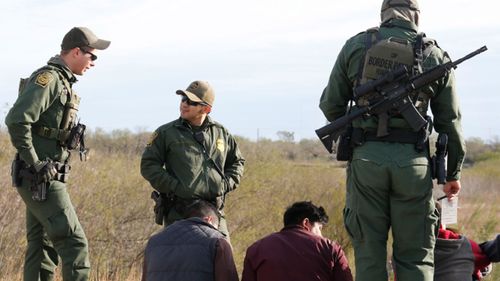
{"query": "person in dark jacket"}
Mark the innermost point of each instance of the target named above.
(492, 249)
(297, 252)
(190, 249)
(457, 257)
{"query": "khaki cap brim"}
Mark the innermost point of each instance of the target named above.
(190, 95)
(100, 44)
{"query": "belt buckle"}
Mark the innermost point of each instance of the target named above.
(46, 131)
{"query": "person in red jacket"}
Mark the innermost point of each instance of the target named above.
(298, 252)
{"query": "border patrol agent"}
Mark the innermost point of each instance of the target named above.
(192, 157)
(389, 182)
(43, 128)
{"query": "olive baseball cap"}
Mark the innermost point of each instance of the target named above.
(83, 37)
(199, 91)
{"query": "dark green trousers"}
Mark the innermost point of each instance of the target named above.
(52, 230)
(389, 186)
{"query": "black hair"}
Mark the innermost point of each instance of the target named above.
(296, 213)
(201, 209)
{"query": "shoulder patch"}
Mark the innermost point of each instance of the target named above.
(44, 78)
(152, 138)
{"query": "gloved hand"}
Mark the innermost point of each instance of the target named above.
(46, 170)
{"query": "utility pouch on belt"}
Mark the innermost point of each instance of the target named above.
(344, 145)
(17, 165)
(76, 136)
(62, 172)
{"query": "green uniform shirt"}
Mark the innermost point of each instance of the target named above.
(40, 104)
(444, 103)
(174, 161)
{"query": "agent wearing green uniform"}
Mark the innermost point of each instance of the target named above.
(389, 183)
(43, 128)
(193, 157)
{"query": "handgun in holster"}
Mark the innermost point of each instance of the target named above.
(345, 145)
(39, 189)
(159, 208)
(438, 161)
(15, 169)
(163, 204)
(20, 170)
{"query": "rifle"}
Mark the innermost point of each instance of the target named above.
(392, 95)
(438, 160)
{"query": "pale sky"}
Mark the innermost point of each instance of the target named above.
(268, 61)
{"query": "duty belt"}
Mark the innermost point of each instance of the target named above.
(51, 133)
(360, 136)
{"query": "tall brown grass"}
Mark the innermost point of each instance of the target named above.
(113, 205)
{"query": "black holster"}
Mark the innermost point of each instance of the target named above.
(438, 161)
(15, 172)
(344, 145)
(39, 191)
(37, 187)
(22, 171)
(163, 204)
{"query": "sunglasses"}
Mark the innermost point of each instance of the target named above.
(92, 56)
(190, 102)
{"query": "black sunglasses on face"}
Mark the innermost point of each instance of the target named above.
(92, 56)
(190, 102)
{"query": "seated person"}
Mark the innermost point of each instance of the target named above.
(298, 252)
(456, 257)
(190, 249)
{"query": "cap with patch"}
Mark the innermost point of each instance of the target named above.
(83, 37)
(199, 91)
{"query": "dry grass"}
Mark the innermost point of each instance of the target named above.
(112, 201)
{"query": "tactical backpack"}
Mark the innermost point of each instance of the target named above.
(385, 55)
